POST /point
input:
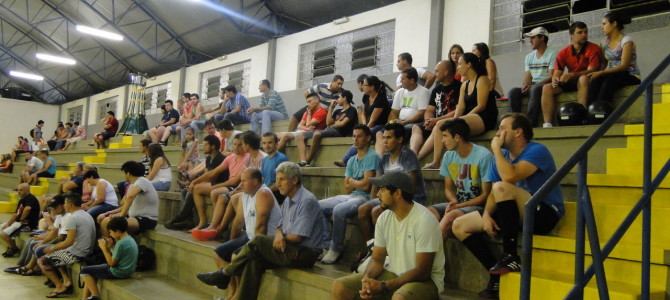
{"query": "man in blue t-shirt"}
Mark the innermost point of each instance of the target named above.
(521, 167)
(235, 107)
(466, 168)
(270, 163)
(360, 169)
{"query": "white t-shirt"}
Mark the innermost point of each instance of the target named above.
(398, 80)
(418, 232)
(35, 164)
(409, 102)
(58, 224)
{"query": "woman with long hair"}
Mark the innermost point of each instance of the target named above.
(160, 173)
(482, 51)
(455, 52)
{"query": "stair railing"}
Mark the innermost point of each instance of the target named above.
(585, 216)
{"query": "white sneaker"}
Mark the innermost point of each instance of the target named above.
(331, 257)
(547, 125)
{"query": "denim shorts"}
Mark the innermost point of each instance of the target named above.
(101, 271)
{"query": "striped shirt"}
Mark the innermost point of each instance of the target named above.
(274, 101)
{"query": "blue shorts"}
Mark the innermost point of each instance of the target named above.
(225, 251)
(98, 271)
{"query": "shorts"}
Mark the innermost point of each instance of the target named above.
(101, 271)
(546, 218)
(12, 229)
(442, 207)
(411, 290)
(330, 132)
(45, 174)
(569, 86)
(162, 186)
(225, 251)
(145, 224)
(306, 134)
(107, 135)
(172, 128)
(298, 114)
(61, 258)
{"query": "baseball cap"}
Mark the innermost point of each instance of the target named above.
(536, 31)
(397, 179)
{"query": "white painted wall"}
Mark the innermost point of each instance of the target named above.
(258, 55)
(17, 117)
(466, 22)
(93, 109)
(71, 104)
(172, 77)
(412, 19)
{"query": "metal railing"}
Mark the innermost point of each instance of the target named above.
(585, 217)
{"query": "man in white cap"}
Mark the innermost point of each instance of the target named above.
(538, 67)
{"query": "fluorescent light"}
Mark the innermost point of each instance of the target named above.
(26, 75)
(99, 33)
(56, 59)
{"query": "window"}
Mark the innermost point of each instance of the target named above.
(214, 80)
(323, 62)
(155, 96)
(74, 114)
(364, 53)
(213, 86)
(106, 105)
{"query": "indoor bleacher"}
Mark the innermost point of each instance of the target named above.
(293, 50)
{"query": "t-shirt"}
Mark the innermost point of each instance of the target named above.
(274, 101)
(398, 80)
(34, 215)
(576, 61)
(356, 169)
(79, 182)
(468, 173)
(171, 114)
(409, 102)
(351, 114)
(269, 165)
(146, 202)
(212, 162)
(319, 115)
(613, 56)
(52, 166)
(418, 232)
(241, 101)
(125, 252)
(37, 133)
(235, 163)
(84, 225)
(114, 125)
(407, 162)
(379, 102)
(538, 155)
(325, 95)
(58, 224)
(36, 164)
(540, 68)
(445, 97)
(146, 162)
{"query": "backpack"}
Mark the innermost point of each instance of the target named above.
(146, 259)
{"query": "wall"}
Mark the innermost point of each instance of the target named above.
(75, 103)
(172, 77)
(93, 109)
(412, 19)
(12, 125)
(466, 22)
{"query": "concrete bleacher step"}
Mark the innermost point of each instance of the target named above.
(149, 286)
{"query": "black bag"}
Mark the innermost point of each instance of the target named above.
(146, 259)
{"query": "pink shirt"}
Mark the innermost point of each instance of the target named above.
(235, 164)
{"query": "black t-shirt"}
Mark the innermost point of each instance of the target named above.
(79, 181)
(445, 97)
(213, 162)
(378, 103)
(34, 215)
(352, 115)
(172, 114)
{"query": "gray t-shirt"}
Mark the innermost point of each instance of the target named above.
(146, 202)
(84, 225)
(407, 162)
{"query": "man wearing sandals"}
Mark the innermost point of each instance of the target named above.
(27, 215)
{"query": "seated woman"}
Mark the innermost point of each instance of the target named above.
(79, 134)
(374, 113)
(482, 51)
(455, 52)
(476, 103)
(160, 173)
(110, 125)
(621, 56)
(120, 253)
(47, 170)
(103, 196)
(22, 146)
(6, 164)
(340, 123)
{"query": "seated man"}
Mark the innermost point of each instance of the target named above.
(580, 58)
(225, 131)
(139, 206)
(48, 169)
(27, 215)
(396, 158)
(520, 169)
(271, 162)
(340, 123)
(360, 169)
(78, 244)
(75, 183)
(466, 171)
(33, 164)
(416, 268)
(110, 126)
(192, 116)
(79, 134)
(298, 240)
(404, 62)
(235, 107)
(324, 92)
(271, 109)
(313, 119)
(120, 256)
(256, 210)
(167, 125)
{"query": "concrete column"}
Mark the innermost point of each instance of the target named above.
(272, 58)
(435, 33)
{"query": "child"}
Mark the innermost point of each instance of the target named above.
(121, 261)
(189, 156)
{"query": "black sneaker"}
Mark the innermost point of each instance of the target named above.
(491, 291)
(509, 263)
(216, 278)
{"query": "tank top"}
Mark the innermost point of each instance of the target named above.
(110, 194)
(471, 102)
(249, 209)
(164, 174)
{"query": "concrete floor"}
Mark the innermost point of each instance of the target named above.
(17, 287)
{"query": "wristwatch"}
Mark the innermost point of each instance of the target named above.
(384, 287)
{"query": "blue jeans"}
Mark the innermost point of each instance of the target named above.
(235, 118)
(265, 119)
(225, 251)
(99, 209)
(162, 186)
(340, 208)
(198, 125)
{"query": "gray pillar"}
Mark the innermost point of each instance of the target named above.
(435, 33)
(272, 58)
(182, 81)
(86, 110)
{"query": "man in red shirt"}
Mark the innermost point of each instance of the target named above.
(580, 58)
(314, 118)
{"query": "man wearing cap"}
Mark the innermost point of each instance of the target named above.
(538, 67)
(340, 123)
(411, 238)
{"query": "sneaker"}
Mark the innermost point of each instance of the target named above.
(492, 290)
(547, 125)
(303, 163)
(331, 257)
(217, 278)
(339, 163)
(509, 263)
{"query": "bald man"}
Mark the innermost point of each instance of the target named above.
(27, 215)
